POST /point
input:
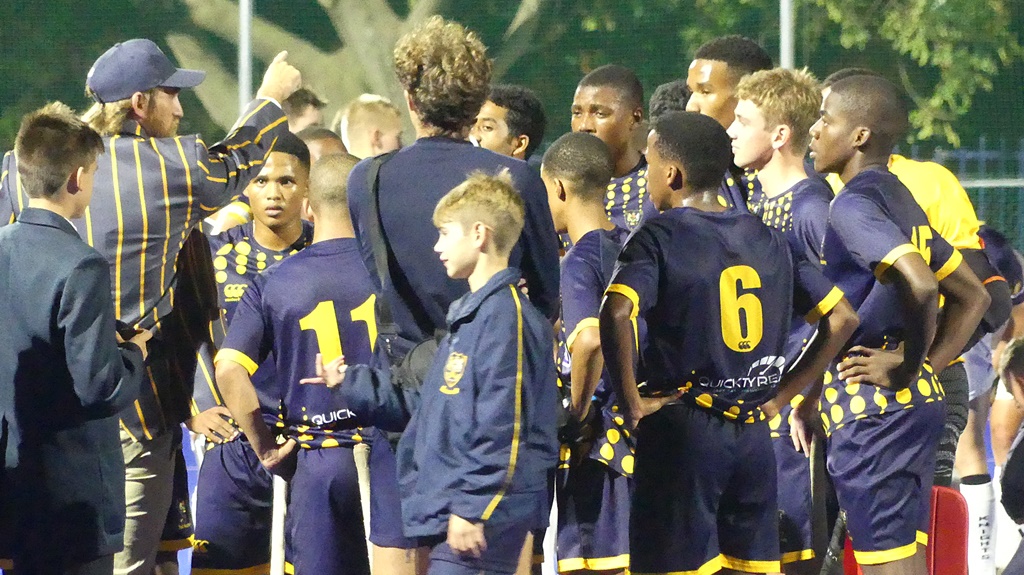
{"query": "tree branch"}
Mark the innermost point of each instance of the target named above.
(219, 90)
(221, 18)
(518, 38)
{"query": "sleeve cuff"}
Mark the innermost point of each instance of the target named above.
(582, 325)
(891, 257)
(625, 290)
(824, 306)
(950, 266)
(237, 357)
(274, 101)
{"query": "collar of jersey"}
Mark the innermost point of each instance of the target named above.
(133, 128)
(467, 304)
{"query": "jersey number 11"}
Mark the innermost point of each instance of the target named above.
(324, 322)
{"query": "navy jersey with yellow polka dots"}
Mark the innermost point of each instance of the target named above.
(585, 272)
(626, 201)
(320, 300)
(716, 291)
(801, 213)
(238, 257)
(873, 222)
(738, 188)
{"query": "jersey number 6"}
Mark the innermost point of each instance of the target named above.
(742, 319)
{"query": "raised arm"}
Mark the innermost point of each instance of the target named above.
(224, 170)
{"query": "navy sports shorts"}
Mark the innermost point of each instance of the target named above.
(593, 517)
(882, 467)
(177, 533)
(704, 494)
(325, 520)
(234, 496)
(795, 503)
(504, 543)
(324, 506)
(385, 497)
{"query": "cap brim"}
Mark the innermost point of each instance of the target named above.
(184, 79)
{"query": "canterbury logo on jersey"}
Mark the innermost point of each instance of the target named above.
(234, 292)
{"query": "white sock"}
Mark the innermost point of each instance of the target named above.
(1007, 535)
(977, 490)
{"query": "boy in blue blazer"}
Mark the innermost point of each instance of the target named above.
(63, 374)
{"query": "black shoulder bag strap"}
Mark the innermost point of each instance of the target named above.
(385, 317)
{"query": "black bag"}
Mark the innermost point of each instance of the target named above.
(409, 365)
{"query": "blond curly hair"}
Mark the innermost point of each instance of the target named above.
(445, 69)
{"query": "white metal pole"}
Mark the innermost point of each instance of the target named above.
(244, 53)
(279, 511)
(786, 41)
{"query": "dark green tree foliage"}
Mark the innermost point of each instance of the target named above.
(49, 45)
(948, 54)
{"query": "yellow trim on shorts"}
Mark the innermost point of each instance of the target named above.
(794, 556)
(750, 566)
(827, 304)
(891, 257)
(237, 357)
(709, 568)
(582, 325)
(289, 568)
(594, 564)
(887, 556)
(254, 570)
(177, 544)
(922, 538)
(950, 266)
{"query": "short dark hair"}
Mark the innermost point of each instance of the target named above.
(743, 55)
(696, 142)
(669, 97)
(300, 100)
(525, 112)
(289, 143)
(328, 182)
(314, 133)
(51, 144)
(619, 77)
(583, 159)
(846, 73)
(876, 103)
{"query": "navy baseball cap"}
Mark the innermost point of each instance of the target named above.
(136, 66)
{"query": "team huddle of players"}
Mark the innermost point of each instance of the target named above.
(711, 319)
(728, 318)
